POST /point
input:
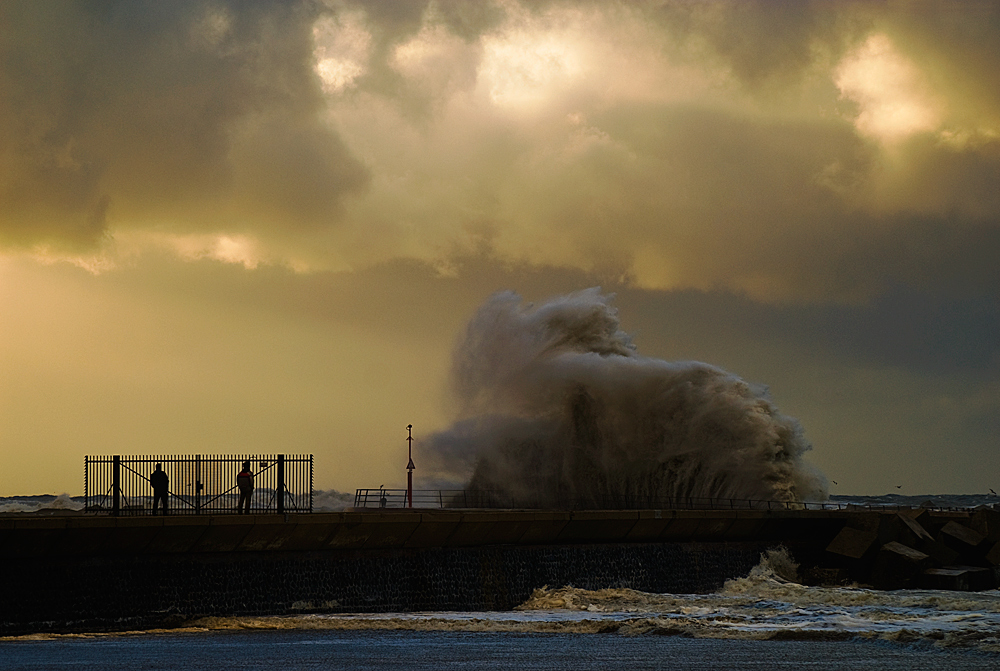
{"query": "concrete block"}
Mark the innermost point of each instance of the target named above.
(915, 528)
(958, 578)
(935, 519)
(892, 528)
(916, 514)
(993, 556)
(897, 566)
(865, 521)
(986, 521)
(852, 543)
(940, 554)
(960, 538)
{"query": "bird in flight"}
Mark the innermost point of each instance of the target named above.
(994, 493)
(899, 486)
(833, 481)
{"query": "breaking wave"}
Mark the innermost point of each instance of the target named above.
(33, 504)
(556, 405)
(330, 500)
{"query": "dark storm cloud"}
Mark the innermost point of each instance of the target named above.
(900, 329)
(146, 112)
(723, 150)
(759, 40)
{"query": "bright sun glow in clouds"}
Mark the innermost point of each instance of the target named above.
(522, 68)
(893, 98)
(341, 50)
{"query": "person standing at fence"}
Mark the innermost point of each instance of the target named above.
(160, 483)
(245, 482)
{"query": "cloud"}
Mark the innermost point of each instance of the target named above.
(893, 98)
(190, 116)
(813, 154)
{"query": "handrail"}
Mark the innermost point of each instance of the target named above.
(464, 498)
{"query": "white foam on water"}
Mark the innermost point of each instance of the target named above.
(330, 500)
(763, 605)
(34, 504)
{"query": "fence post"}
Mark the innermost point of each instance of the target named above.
(116, 485)
(197, 484)
(86, 483)
(281, 484)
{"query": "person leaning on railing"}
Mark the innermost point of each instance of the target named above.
(160, 483)
(245, 482)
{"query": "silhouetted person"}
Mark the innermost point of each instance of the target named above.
(161, 483)
(245, 482)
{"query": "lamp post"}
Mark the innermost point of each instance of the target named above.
(409, 466)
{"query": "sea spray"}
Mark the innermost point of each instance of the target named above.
(556, 406)
(33, 504)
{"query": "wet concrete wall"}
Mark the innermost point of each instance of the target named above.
(117, 592)
(83, 572)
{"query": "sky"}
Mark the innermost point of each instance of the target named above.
(231, 227)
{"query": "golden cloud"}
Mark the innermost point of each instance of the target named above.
(718, 144)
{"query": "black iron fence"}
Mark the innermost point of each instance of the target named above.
(458, 498)
(120, 484)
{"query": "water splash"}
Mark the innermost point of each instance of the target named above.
(33, 504)
(555, 404)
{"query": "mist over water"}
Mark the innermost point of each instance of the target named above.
(555, 404)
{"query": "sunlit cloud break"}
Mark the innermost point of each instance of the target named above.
(894, 99)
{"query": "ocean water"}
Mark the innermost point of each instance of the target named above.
(436, 650)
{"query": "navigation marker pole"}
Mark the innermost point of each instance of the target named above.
(409, 466)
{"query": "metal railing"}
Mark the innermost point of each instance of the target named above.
(459, 498)
(120, 484)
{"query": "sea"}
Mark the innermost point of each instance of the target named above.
(765, 620)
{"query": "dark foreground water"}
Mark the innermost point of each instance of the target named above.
(415, 651)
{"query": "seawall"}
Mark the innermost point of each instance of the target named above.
(80, 572)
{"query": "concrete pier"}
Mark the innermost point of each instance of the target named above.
(76, 572)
